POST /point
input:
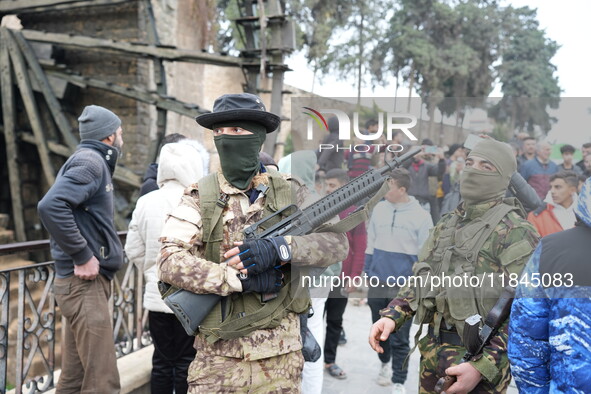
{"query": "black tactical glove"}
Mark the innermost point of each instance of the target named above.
(259, 255)
(266, 282)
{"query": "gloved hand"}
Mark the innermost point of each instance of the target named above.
(259, 255)
(266, 282)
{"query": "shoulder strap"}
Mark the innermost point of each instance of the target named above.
(279, 195)
(493, 217)
(362, 215)
(213, 202)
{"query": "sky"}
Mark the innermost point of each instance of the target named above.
(566, 22)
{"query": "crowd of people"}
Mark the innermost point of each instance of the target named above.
(449, 211)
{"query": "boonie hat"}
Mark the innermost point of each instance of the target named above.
(239, 107)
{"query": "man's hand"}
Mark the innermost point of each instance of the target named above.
(253, 257)
(267, 282)
(88, 270)
(468, 378)
(380, 331)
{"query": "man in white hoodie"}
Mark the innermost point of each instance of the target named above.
(397, 229)
(180, 165)
(558, 213)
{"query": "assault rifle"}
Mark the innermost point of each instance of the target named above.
(191, 308)
(476, 338)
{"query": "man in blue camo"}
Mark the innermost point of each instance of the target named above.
(549, 335)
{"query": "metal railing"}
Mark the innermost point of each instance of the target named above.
(29, 320)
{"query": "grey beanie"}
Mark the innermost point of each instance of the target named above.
(97, 123)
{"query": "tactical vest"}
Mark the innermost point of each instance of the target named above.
(455, 253)
(239, 314)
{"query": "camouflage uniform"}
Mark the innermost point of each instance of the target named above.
(250, 363)
(493, 363)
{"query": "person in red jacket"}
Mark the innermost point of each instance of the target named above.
(558, 214)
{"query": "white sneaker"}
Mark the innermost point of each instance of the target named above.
(385, 375)
(398, 389)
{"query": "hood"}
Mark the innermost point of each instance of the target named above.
(301, 164)
(583, 209)
(182, 163)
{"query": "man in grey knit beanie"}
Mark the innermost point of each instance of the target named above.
(77, 211)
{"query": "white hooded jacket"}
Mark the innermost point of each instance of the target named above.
(180, 165)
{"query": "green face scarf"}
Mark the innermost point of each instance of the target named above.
(239, 158)
(477, 186)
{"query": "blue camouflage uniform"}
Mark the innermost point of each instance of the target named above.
(550, 327)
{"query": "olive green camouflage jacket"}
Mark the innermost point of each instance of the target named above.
(495, 257)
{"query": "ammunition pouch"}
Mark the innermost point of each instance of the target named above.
(454, 254)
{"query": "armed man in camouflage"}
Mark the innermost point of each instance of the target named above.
(244, 344)
(486, 237)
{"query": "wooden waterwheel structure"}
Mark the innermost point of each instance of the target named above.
(71, 53)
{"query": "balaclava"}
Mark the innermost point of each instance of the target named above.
(239, 154)
(477, 186)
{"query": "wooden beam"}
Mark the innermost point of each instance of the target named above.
(167, 103)
(41, 79)
(127, 176)
(25, 6)
(8, 112)
(159, 79)
(54, 147)
(22, 78)
(11, 6)
(58, 86)
(121, 174)
(132, 48)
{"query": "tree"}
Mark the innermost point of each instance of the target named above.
(446, 48)
(347, 53)
(527, 77)
(316, 24)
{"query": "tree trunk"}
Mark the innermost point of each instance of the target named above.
(411, 85)
(396, 89)
(314, 77)
(360, 59)
(431, 112)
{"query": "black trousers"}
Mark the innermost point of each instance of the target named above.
(173, 352)
(333, 309)
(397, 346)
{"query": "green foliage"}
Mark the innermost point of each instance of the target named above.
(526, 74)
(501, 132)
(448, 50)
(228, 35)
(452, 52)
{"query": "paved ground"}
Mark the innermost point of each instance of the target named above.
(361, 363)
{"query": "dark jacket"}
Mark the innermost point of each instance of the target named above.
(149, 184)
(537, 174)
(419, 174)
(77, 211)
(331, 158)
